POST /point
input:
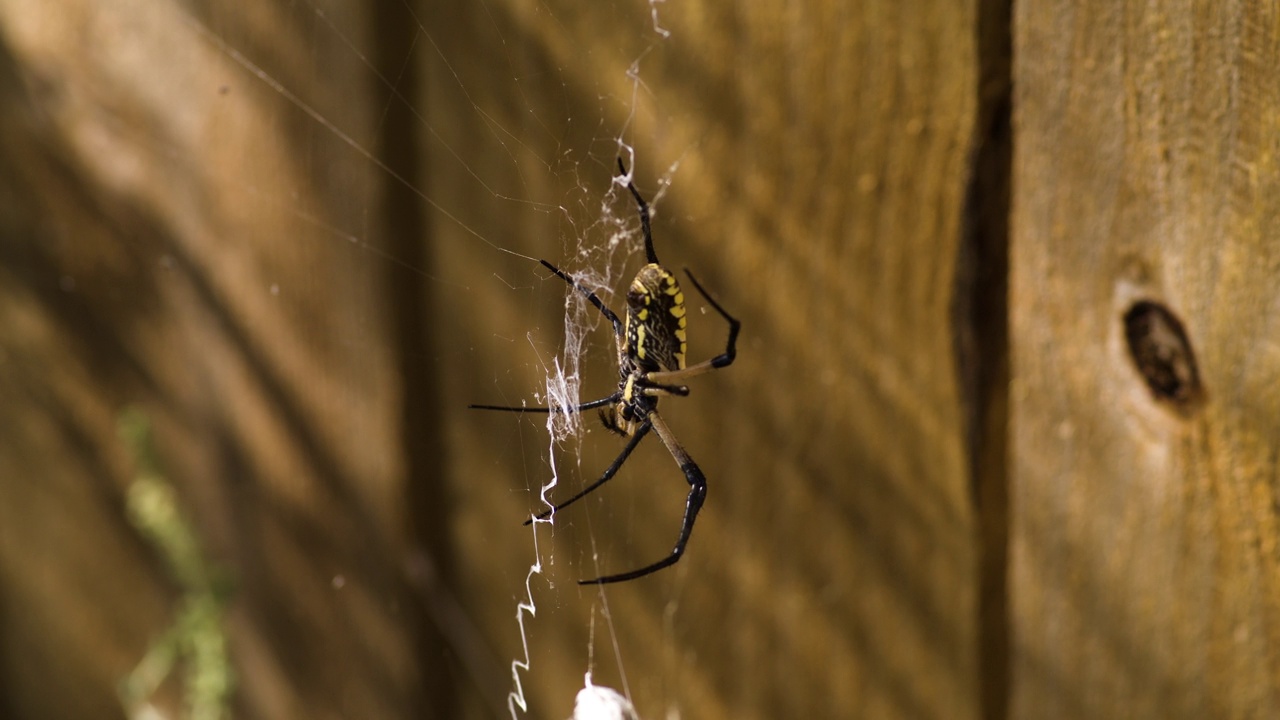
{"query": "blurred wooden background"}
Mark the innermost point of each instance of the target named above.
(940, 484)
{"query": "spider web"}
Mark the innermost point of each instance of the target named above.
(519, 144)
(600, 237)
(565, 426)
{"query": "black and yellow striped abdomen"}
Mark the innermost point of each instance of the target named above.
(655, 329)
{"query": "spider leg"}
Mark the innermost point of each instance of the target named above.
(591, 297)
(697, 494)
(606, 477)
(724, 359)
(539, 409)
(655, 390)
(644, 215)
(617, 331)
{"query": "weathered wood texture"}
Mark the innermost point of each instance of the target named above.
(820, 192)
(304, 284)
(1145, 575)
(177, 235)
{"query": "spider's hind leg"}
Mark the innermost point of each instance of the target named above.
(693, 504)
(606, 477)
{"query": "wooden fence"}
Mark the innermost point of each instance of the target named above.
(1001, 438)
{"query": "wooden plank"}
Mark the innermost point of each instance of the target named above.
(299, 280)
(1144, 575)
(181, 236)
(823, 155)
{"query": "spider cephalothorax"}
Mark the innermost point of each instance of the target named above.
(651, 349)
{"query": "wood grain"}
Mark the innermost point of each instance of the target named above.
(823, 157)
(262, 225)
(1144, 577)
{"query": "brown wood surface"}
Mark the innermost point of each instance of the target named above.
(176, 236)
(305, 285)
(1145, 574)
(832, 573)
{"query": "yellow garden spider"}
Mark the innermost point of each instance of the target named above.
(651, 347)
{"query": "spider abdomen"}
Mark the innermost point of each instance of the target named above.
(655, 329)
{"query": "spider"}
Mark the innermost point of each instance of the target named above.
(651, 348)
